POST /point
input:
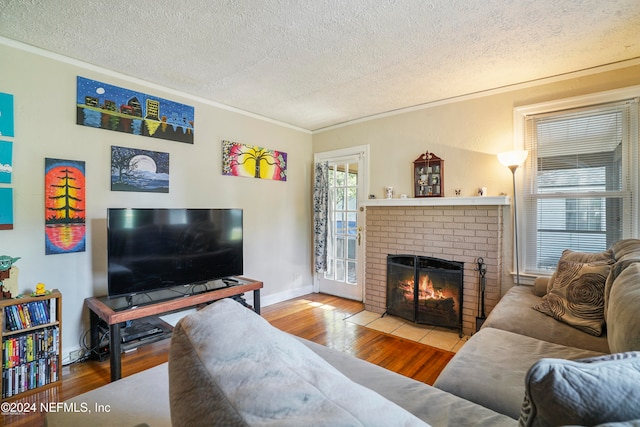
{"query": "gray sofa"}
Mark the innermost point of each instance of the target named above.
(250, 373)
(497, 367)
(228, 366)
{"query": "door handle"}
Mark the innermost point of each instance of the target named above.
(359, 235)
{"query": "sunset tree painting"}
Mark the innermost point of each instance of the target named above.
(65, 206)
(253, 161)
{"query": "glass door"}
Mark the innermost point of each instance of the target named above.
(345, 248)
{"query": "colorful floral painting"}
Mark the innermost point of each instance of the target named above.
(6, 208)
(253, 161)
(65, 206)
(139, 170)
(105, 106)
(6, 164)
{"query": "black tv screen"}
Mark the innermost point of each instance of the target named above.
(151, 249)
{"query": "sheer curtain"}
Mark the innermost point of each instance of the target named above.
(320, 215)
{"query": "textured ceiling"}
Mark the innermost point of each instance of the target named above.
(317, 63)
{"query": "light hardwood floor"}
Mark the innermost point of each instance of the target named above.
(316, 317)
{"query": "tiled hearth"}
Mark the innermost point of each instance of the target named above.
(458, 229)
(433, 336)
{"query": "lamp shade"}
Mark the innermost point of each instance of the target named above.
(513, 158)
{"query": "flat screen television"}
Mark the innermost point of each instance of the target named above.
(152, 249)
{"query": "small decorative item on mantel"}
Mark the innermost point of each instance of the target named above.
(428, 175)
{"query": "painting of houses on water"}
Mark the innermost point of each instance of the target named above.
(105, 106)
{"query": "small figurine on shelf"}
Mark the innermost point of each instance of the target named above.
(40, 291)
(5, 270)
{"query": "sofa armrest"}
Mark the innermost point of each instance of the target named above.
(540, 286)
(229, 366)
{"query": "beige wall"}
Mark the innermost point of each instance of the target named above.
(277, 215)
(467, 134)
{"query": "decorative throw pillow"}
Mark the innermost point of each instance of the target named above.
(582, 257)
(583, 392)
(576, 296)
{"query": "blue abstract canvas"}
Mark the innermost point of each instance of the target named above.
(6, 115)
(6, 208)
(6, 163)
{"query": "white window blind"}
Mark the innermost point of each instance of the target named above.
(578, 188)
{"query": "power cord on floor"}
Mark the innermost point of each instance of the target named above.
(86, 351)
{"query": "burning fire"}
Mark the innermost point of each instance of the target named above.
(426, 289)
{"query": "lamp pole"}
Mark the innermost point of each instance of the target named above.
(515, 221)
(512, 160)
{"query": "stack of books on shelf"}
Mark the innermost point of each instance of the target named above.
(28, 315)
(30, 360)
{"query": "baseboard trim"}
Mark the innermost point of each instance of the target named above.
(286, 295)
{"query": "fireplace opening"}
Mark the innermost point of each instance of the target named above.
(425, 290)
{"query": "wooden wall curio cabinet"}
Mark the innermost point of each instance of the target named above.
(428, 176)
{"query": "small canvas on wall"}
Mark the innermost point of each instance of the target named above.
(105, 106)
(253, 161)
(139, 170)
(6, 163)
(6, 209)
(6, 115)
(65, 206)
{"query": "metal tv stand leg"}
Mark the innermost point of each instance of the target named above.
(114, 352)
(256, 300)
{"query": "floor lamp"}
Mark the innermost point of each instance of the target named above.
(513, 160)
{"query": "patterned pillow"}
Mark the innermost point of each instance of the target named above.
(576, 296)
(575, 256)
(582, 392)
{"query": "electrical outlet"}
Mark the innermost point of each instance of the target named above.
(76, 355)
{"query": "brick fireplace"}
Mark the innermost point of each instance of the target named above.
(460, 229)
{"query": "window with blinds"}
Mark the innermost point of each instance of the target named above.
(578, 187)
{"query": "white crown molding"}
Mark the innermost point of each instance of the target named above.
(575, 74)
(488, 92)
(81, 64)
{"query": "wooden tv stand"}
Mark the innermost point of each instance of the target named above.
(114, 312)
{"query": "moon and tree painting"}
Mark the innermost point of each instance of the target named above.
(65, 206)
(105, 106)
(139, 170)
(253, 161)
